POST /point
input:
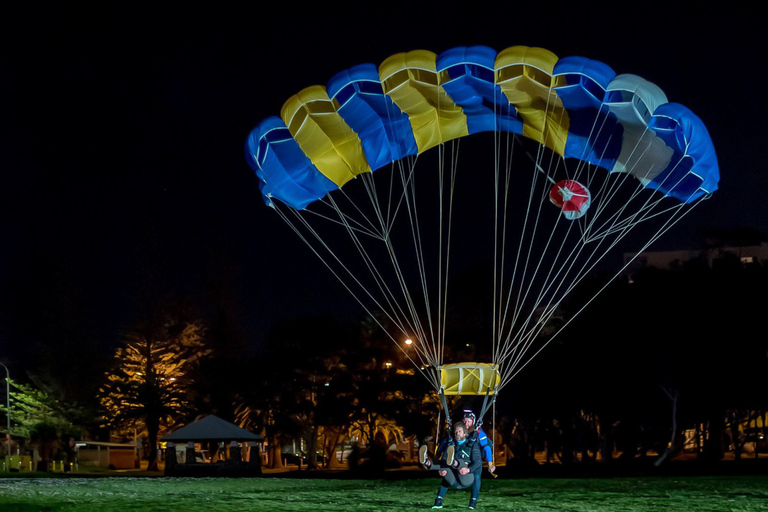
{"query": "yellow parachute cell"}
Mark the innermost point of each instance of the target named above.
(335, 149)
(525, 76)
(412, 82)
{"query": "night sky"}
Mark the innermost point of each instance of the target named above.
(124, 124)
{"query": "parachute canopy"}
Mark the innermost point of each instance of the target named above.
(610, 151)
(368, 117)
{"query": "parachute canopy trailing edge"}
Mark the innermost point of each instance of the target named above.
(368, 117)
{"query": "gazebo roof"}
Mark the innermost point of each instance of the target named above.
(211, 428)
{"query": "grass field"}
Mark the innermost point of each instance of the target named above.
(121, 494)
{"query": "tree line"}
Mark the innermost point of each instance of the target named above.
(670, 351)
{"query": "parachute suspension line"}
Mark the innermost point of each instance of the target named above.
(498, 355)
(380, 282)
(440, 338)
(509, 374)
(367, 181)
(526, 262)
(407, 183)
(525, 333)
(552, 305)
(595, 132)
(501, 228)
(434, 380)
(538, 167)
(443, 273)
(409, 202)
(635, 156)
(504, 308)
(409, 188)
(369, 184)
(643, 213)
(498, 259)
(647, 210)
(499, 246)
(394, 306)
(406, 173)
(358, 226)
(416, 325)
(392, 210)
(524, 342)
(516, 265)
(394, 311)
(408, 199)
(514, 368)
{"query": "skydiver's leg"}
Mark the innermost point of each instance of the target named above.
(476, 487)
(437, 466)
(449, 480)
(440, 495)
(455, 480)
(465, 481)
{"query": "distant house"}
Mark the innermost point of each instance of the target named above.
(665, 259)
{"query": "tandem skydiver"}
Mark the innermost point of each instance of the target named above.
(461, 466)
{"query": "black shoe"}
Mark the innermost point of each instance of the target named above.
(472, 504)
(438, 503)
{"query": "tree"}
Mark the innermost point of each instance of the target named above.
(302, 385)
(152, 373)
(39, 416)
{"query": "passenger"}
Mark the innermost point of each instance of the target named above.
(460, 467)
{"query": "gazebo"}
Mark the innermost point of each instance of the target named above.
(212, 429)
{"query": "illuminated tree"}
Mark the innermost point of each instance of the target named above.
(153, 371)
(39, 416)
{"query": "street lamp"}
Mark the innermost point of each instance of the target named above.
(8, 406)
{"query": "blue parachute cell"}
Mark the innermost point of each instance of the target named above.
(594, 135)
(384, 130)
(283, 169)
(693, 172)
(471, 84)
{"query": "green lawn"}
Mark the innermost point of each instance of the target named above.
(110, 494)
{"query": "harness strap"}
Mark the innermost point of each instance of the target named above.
(445, 406)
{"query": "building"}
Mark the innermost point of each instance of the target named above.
(666, 259)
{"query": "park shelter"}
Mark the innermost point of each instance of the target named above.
(211, 430)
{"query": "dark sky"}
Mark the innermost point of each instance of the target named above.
(124, 124)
